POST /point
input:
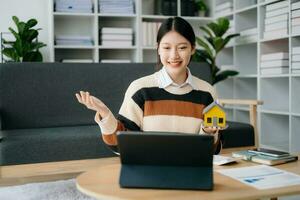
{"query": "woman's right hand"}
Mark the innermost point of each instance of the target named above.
(92, 103)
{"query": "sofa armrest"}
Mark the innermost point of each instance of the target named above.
(252, 111)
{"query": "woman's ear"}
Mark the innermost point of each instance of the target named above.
(193, 49)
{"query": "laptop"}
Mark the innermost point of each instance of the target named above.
(165, 160)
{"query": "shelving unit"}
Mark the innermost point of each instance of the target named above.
(90, 24)
(279, 116)
(280, 113)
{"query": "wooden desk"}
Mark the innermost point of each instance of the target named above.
(103, 183)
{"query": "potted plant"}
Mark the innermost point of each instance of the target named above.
(26, 47)
(201, 8)
(214, 40)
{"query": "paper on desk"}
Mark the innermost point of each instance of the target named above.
(262, 176)
(223, 160)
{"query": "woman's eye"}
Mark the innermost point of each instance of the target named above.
(166, 47)
(182, 47)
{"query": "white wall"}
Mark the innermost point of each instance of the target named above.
(25, 10)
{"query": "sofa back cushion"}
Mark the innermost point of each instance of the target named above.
(35, 95)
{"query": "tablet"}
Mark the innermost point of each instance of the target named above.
(165, 160)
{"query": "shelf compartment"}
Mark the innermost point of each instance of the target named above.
(295, 136)
(295, 96)
(245, 4)
(246, 88)
(68, 26)
(242, 116)
(246, 20)
(225, 57)
(225, 89)
(156, 7)
(115, 54)
(229, 114)
(275, 131)
(275, 94)
(74, 54)
(246, 59)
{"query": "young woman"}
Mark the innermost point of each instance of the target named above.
(170, 100)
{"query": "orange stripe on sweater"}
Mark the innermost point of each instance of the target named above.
(111, 139)
(173, 107)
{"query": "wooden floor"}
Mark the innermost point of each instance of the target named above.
(41, 172)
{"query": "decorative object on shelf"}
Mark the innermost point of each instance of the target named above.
(212, 43)
(214, 116)
(26, 47)
(201, 8)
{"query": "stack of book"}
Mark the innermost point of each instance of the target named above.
(77, 60)
(276, 20)
(149, 31)
(115, 61)
(116, 6)
(274, 63)
(265, 158)
(81, 6)
(73, 40)
(295, 18)
(116, 37)
(227, 67)
(247, 36)
(223, 8)
(295, 60)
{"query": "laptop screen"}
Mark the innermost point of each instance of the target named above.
(164, 148)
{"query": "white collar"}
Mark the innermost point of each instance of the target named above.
(165, 80)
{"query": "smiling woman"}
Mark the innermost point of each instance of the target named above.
(170, 100)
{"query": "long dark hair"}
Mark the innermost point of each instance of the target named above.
(179, 25)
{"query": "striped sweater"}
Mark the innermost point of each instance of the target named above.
(149, 107)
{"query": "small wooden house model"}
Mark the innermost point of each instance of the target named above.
(214, 115)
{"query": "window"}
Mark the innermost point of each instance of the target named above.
(209, 120)
(221, 120)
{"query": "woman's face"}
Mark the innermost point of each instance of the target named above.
(175, 52)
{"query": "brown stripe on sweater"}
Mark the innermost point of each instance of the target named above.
(111, 139)
(173, 107)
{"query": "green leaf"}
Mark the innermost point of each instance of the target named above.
(31, 23)
(11, 53)
(218, 42)
(37, 45)
(21, 28)
(18, 46)
(31, 35)
(16, 20)
(223, 24)
(214, 27)
(34, 56)
(203, 44)
(224, 75)
(17, 36)
(206, 30)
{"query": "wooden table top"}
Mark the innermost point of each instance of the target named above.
(103, 183)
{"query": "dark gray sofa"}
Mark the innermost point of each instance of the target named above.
(41, 120)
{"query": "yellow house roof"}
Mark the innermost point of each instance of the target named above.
(212, 105)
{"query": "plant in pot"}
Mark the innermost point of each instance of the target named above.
(212, 43)
(26, 47)
(201, 7)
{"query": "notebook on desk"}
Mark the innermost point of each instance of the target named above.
(165, 160)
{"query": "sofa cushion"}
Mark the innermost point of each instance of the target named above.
(52, 144)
